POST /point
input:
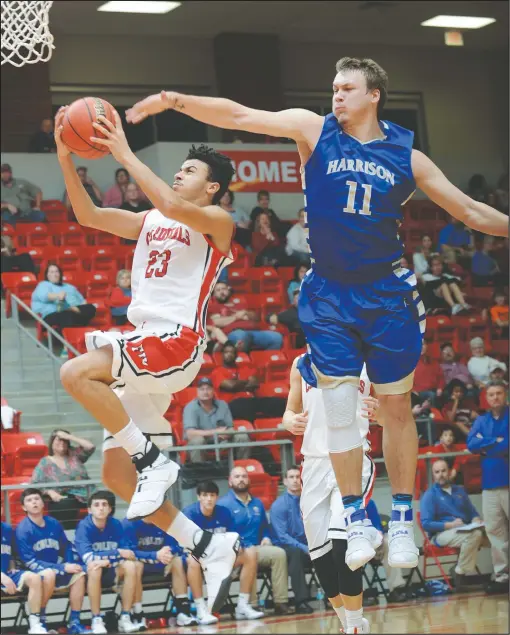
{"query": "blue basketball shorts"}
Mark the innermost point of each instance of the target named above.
(18, 577)
(380, 324)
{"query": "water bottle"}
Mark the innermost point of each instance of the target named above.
(320, 599)
(261, 603)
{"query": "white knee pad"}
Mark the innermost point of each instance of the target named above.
(340, 405)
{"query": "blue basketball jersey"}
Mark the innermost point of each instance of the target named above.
(145, 540)
(354, 194)
(45, 547)
(94, 543)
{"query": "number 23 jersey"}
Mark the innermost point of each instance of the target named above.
(173, 275)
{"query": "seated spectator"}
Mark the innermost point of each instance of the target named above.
(489, 437)
(65, 463)
(295, 283)
(161, 555)
(459, 409)
(241, 325)
(115, 196)
(404, 263)
(218, 519)
(59, 303)
(441, 289)
(422, 256)
(428, 377)
(240, 218)
(289, 318)
(478, 189)
(44, 548)
(446, 443)
(500, 253)
(446, 508)
(501, 194)
(266, 244)
(133, 200)
(289, 533)
(120, 297)
(11, 261)
(237, 385)
(499, 313)
(21, 200)
(15, 580)
(44, 139)
(104, 548)
(453, 369)
(90, 187)
(480, 365)
(297, 243)
(484, 268)
(206, 419)
(251, 524)
(456, 243)
(262, 207)
(216, 338)
(7, 414)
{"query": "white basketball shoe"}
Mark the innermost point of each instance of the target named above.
(402, 552)
(362, 538)
(365, 628)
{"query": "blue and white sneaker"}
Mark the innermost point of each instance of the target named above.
(402, 552)
(362, 538)
(76, 628)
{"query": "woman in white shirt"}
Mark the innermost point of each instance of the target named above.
(481, 365)
(422, 255)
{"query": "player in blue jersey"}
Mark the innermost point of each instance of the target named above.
(104, 549)
(356, 305)
(43, 547)
(218, 519)
(159, 554)
(14, 580)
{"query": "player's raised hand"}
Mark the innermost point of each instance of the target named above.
(115, 138)
(151, 105)
(298, 423)
(370, 407)
(165, 555)
(62, 149)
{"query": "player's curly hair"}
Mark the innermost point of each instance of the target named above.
(376, 77)
(221, 169)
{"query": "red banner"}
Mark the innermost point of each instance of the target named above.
(261, 170)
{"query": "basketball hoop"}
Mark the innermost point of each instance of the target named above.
(26, 37)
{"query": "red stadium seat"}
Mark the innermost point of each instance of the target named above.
(286, 274)
(272, 365)
(76, 337)
(103, 259)
(434, 553)
(104, 239)
(38, 254)
(265, 280)
(24, 450)
(274, 389)
(183, 397)
(8, 230)
(22, 285)
(272, 303)
(98, 286)
(239, 281)
(33, 234)
(69, 259)
(241, 425)
(103, 318)
(242, 358)
(55, 210)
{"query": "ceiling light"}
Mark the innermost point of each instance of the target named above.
(139, 7)
(458, 22)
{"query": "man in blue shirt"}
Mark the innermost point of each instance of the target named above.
(289, 533)
(489, 437)
(218, 519)
(456, 243)
(445, 511)
(44, 549)
(251, 524)
(103, 547)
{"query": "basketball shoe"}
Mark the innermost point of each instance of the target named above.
(365, 628)
(402, 552)
(362, 538)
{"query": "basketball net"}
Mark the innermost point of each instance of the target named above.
(26, 37)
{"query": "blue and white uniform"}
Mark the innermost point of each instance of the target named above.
(356, 303)
(145, 540)
(8, 557)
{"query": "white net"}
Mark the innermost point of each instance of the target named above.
(26, 37)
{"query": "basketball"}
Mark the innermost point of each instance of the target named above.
(78, 127)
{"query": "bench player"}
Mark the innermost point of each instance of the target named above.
(356, 305)
(126, 382)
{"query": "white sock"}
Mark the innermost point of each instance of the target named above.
(201, 606)
(137, 607)
(133, 440)
(354, 618)
(34, 620)
(185, 531)
(340, 611)
(244, 599)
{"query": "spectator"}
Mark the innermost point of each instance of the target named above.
(120, 297)
(115, 196)
(90, 187)
(266, 244)
(240, 324)
(240, 218)
(262, 207)
(499, 313)
(237, 385)
(289, 534)
(394, 577)
(44, 139)
(446, 443)
(453, 369)
(290, 319)
(65, 463)
(484, 268)
(456, 242)
(206, 419)
(442, 289)
(480, 365)
(59, 303)
(422, 256)
(459, 409)
(404, 263)
(21, 200)
(428, 377)
(501, 194)
(295, 283)
(251, 524)
(104, 548)
(479, 190)
(14, 580)
(44, 548)
(445, 510)
(489, 437)
(11, 261)
(133, 200)
(297, 241)
(497, 374)
(500, 253)
(218, 519)
(8, 414)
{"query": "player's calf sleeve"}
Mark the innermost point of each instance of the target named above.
(340, 404)
(349, 582)
(327, 574)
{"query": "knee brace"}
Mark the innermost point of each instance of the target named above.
(340, 404)
(328, 576)
(349, 582)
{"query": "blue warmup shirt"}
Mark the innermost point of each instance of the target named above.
(454, 236)
(44, 547)
(353, 198)
(482, 439)
(373, 515)
(220, 522)
(250, 519)
(93, 543)
(7, 543)
(287, 522)
(145, 540)
(438, 507)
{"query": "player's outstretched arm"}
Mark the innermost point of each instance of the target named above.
(439, 189)
(296, 123)
(294, 419)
